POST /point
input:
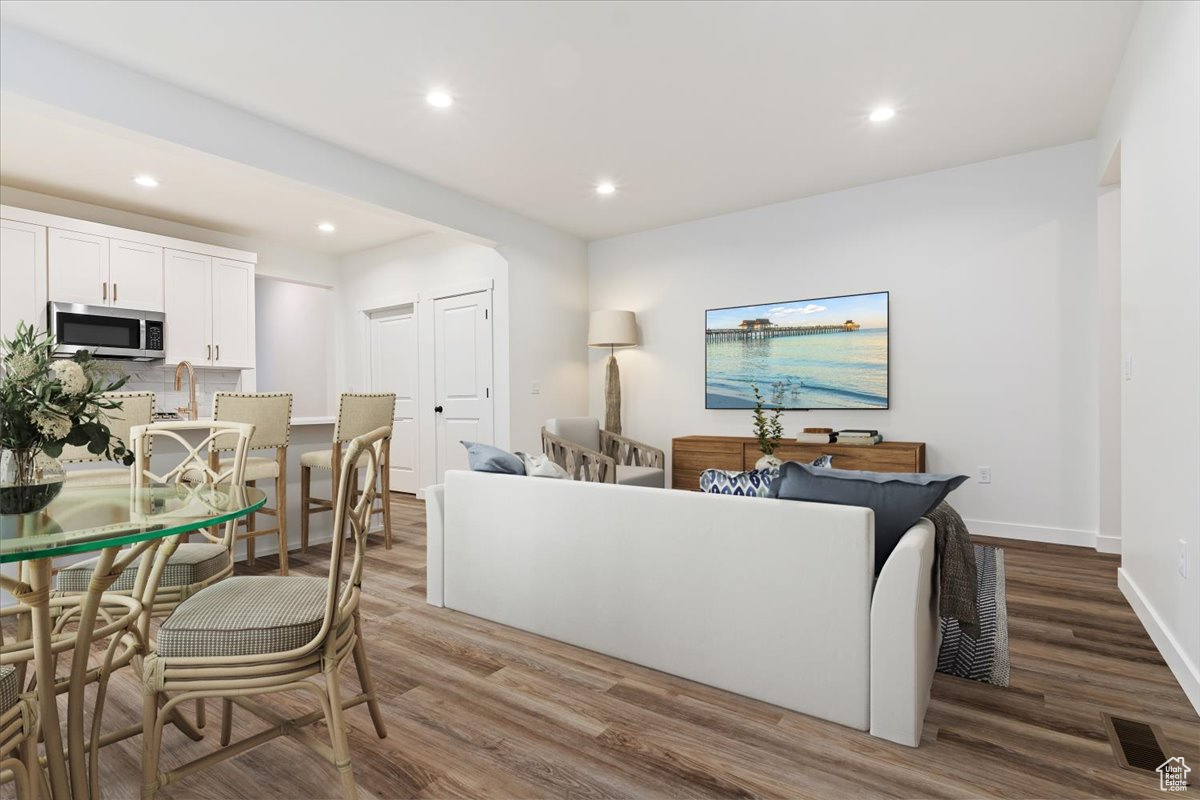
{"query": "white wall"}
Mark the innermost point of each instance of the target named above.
(295, 343)
(1153, 115)
(1108, 366)
(991, 269)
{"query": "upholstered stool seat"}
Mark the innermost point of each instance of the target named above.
(319, 459)
(190, 563)
(10, 688)
(257, 468)
(246, 615)
(115, 476)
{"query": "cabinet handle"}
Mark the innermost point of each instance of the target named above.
(208, 356)
(114, 293)
(218, 352)
(104, 291)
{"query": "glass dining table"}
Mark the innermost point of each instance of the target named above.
(125, 527)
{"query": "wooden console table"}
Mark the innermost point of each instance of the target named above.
(691, 455)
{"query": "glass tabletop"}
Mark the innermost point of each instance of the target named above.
(85, 519)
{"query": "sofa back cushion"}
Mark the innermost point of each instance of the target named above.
(898, 499)
(583, 431)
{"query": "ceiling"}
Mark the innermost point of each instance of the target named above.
(692, 109)
(49, 151)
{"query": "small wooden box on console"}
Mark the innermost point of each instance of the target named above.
(691, 455)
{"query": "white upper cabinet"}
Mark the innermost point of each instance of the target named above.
(232, 313)
(187, 278)
(78, 268)
(22, 275)
(99, 271)
(209, 304)
(135, 273)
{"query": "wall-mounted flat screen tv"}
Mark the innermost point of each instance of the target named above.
(827, 352)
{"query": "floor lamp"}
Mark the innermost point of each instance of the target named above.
(612, 329)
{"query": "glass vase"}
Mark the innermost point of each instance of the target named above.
(29, 480)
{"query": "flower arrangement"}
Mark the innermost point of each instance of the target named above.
(768, 429)
(46, 404)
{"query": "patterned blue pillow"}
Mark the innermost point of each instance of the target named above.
(744, 484)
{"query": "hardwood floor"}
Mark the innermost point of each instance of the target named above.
(475, 709)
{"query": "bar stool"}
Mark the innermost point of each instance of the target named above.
(358, 414)
(271, 415)
(137, 408)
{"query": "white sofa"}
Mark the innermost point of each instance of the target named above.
(772, 599)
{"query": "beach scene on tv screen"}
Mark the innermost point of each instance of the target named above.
(822, 353)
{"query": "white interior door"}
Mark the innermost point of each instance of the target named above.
(393, 366)
(462, 348)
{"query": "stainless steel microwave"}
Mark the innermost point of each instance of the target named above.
(108, 332)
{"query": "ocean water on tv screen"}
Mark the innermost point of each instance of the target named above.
(834, 370)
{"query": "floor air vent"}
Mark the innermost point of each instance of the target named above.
(1136, 745)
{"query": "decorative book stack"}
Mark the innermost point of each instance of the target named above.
(859, 437)
(816, 436)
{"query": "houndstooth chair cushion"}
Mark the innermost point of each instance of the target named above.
(243, 616)
(190, 563)
(10, 690)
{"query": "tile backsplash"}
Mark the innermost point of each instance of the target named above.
(160, 379)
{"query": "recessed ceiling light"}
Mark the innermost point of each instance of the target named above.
(439, 99)
(149, 181)
(326, 227)
(605, 187)
(882, 114)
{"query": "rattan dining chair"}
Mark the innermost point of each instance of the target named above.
(137, 408)
(357, 414)
(271, 415)
(18, 735)
(252, 635)
(193, 565)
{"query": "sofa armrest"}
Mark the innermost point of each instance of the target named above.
(435, 527)
(631, 452)
(904, 638)
(581, 463)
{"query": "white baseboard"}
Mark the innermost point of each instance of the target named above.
(1108, 544)
(1187, 673)
(1035, 533)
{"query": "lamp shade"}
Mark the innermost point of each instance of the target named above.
(612, 329)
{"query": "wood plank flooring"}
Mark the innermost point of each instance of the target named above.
(475, 709)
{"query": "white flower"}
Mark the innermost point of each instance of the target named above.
(70, 375)
(53, 426)
(21, 366)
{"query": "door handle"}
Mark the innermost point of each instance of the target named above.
(114, 292)
(104, 291)
(218, 352)
(208, 356)
(437, 409)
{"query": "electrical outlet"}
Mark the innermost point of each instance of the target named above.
(535, 387)
(985, 474)
(1183, 559)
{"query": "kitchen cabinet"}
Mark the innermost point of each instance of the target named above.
(209, 305)
(22, 275)
(135, 273)
(99, 271)
(232, 314)
(78, 268)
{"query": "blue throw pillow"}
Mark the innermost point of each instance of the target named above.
(754, 483)
(898, 499)
(485, 458)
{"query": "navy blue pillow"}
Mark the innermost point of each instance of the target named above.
(898, 499)
(485, 458)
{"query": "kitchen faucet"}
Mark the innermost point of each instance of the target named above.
(193, 411)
